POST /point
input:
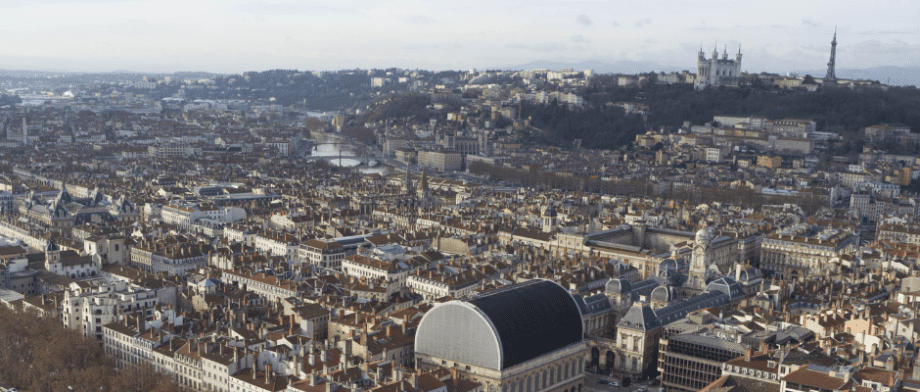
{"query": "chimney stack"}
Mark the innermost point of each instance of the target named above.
(747, 354)
(268, 373)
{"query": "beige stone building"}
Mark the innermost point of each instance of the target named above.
(440, 160)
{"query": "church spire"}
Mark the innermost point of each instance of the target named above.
(408, 179)
(423, 184)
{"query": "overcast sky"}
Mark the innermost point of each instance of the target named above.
(231, 36)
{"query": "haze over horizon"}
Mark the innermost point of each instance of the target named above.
(244, 35)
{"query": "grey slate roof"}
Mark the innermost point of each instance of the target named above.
(594, 304)
(640, 318)
(718, 293)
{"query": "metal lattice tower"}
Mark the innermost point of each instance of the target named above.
(831, 76)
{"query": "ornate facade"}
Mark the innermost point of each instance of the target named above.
(715, 71)
(631, 348)
(795, 257)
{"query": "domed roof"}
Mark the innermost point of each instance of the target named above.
(669, 277)
(549, 211)
(618, 286)
(705, 234)
(52, 246)
(749, 274)
(502, 328)
(663, 294)
(667, 264)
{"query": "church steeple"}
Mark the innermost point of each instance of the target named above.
(423, 184)
(408, 180)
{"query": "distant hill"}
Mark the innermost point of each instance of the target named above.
(625, 67)
(839, 110)
(900, 76)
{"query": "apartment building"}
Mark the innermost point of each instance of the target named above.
(88, 310)
(440, 160)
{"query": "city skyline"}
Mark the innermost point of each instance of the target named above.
(232, 37)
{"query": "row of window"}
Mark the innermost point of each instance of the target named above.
(545, 378)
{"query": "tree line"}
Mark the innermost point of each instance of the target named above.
(38, 354)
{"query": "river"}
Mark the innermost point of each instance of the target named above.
(332, 151)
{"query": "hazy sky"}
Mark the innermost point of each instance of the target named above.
(243, 35)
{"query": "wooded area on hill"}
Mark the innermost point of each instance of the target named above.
(842, 110)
